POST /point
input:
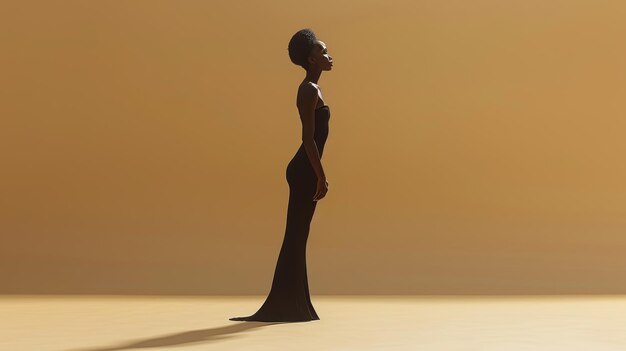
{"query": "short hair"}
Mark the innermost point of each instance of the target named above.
(300, 47)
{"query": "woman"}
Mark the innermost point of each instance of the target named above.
(289, 299)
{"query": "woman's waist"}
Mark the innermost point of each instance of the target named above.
(319, 139)
(301, 153)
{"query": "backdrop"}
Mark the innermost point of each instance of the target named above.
(475, 147)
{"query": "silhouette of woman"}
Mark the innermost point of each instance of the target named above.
(289, 299)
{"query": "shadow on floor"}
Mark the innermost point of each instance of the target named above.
(186, 338)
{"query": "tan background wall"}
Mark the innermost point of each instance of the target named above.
(475, 146)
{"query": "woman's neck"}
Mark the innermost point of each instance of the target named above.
(313, 75)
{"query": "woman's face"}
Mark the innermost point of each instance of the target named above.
(320, 56)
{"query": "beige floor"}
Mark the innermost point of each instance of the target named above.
(73, 323)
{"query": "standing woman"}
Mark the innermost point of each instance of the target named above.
(289, 299)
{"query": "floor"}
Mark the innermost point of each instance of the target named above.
(151, 323)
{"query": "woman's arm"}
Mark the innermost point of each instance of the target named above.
(307, 100)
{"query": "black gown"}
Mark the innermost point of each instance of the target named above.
(289, 299)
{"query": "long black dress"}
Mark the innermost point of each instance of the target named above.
(289, 299)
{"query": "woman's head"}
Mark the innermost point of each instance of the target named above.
(307, 51)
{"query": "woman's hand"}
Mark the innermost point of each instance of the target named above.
(322, 189)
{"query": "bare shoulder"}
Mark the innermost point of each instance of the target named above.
(307, 95)
(307, 89)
